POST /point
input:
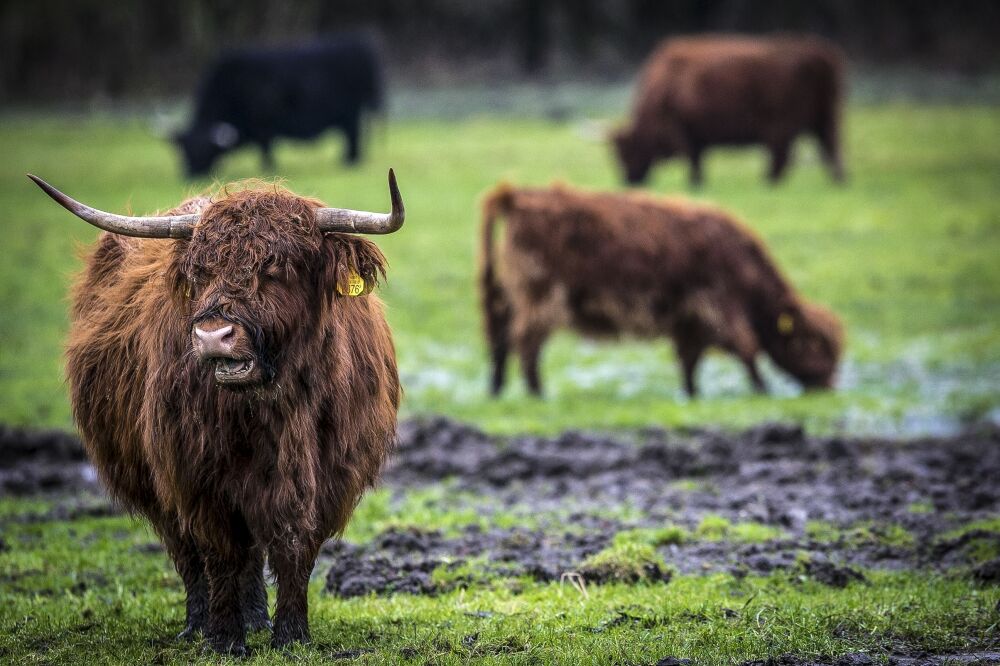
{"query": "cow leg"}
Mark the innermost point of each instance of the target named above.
(253, 592)
(191, 568)
(689, 352)
(266, 156)
(744, 345)
(352, 132)
(779, 159)
(292, 569)
(694, 155)
(499, 357)
(755, 379)
(225, 560)
(497, 313)
(529, 348)
(829, 142)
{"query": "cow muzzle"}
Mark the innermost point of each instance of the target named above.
(226, 346)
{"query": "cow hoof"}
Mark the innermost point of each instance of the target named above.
(190, 632)
(232, 648)
(278, 644)
(284, 636)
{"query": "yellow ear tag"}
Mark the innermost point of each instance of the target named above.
(355, 285)
(785, 323)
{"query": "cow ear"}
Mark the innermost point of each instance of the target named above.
(789, 319)
(354, 266)
(786, 323)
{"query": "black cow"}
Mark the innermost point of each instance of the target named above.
(255, 96)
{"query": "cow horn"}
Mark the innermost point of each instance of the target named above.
(167, 226)
(362, 222)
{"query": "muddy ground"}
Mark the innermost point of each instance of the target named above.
(837, 505)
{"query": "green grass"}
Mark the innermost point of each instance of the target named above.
(861, 533)
(718, 528)
(86, 591)
(438, 507)
(628, 562)
(654, 536)
(906, 253)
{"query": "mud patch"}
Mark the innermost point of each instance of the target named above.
(831, 574)
(427, 562)
(828, 507)
(988, 572)
(838, 504)
(45, 461)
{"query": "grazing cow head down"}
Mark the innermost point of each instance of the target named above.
(202, 145)
(807, 344)
(634, 154)
(638, 149)
(255, 268)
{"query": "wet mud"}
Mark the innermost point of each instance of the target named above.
(823, 509)
(35, 462)
(834, 506)
(837, 506)
(428, 562)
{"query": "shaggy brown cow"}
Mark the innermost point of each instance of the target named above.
(703, 91)
(612, 264)
(237, 386)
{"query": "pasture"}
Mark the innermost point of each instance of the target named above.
(908, 253)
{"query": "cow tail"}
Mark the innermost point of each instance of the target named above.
(494, 300)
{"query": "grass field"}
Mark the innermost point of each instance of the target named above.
(98, 590)
(908, 252)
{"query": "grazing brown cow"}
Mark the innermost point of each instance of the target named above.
(612, 264)
(237, 386)
(698, 92)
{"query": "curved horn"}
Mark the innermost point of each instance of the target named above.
(167, 226)
(362, 222)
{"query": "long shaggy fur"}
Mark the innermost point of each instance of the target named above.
(696, 92)
(226, 476)
(612, 264)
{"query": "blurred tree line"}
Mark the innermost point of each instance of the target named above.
(82, 49)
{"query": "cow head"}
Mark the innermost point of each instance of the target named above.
(640, 145)
(635, 154)
(254, 269)
(806, 342)
(203, 144)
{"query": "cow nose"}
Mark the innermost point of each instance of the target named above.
(215, 343)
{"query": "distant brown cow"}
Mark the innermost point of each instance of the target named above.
(703, 91)
(628, 264)
(237, 386)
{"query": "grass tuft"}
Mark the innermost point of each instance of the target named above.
(626, 563)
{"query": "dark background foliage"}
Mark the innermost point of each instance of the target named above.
(67, 49)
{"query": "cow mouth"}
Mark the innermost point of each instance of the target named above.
(234, 370)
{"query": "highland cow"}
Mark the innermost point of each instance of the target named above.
(698, 92)
(607, 265)
(234, 381)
